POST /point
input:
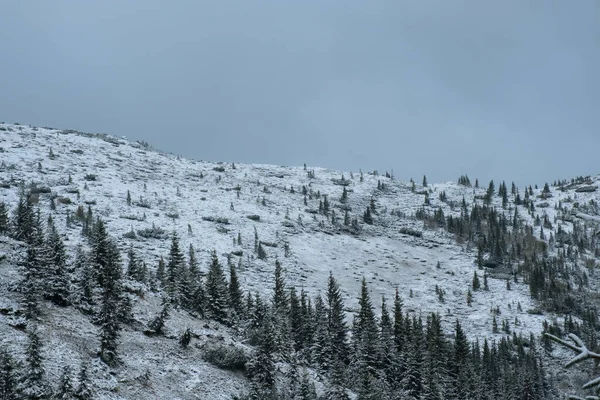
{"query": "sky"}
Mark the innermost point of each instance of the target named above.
(504, 90)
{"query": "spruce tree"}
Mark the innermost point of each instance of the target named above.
(31, 285)
(34, 384)
(23, 219)
(216, 291)
(134, 266)
(84, 389)
(9, 376)
(336, 323)
(176, 273)
(66, 391)
(105, 258)
(367, 350)
(235, 292)
(4, 221)
(261, 367)
(59, 281)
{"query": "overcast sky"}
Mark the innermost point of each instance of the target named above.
(508, 90)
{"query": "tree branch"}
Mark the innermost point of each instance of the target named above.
(583, 354)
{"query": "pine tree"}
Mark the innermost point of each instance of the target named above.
(476, 284)
(105, 258)
(23, 219)
(176, 273)
(307, 389)
(8, 376)
(459, 364)
(365, 338)
(59, 281)
(412, 381)
(186, 338)
(280, 300)
(367, 217)
(160, 271)
(31, 285)
(158, 324)
(344, 197)
(34, 384)
(4, 221)
(216, 291)
(66, 391)
(336, 324)
(84, 390)
(235, 292)
(261, 367)
(134, 266)
(193, 263)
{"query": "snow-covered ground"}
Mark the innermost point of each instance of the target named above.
(208, 205)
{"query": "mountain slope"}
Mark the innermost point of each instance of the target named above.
(225, 207)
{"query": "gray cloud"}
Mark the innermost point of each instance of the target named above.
(504, 90)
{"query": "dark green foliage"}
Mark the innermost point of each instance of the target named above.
(135, 269)
(280, 300)
(366, 343)
(66, 391)
(176, 274)
(227, 357)
(235, 292)
(34, 384)
(344, 197)
(216, 289)
(4, 221)
(105, 259)
(185, 338)
(23, 219)
(9, 375)
(84, 390)
(367, 217)
(158, 324)
(260, 251)
(336, 324)
(58, 279)
(476, 284)
(261, 366)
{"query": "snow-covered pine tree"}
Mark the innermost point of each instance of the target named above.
(23, 219)
(86, 282)
(366, 344)
(176, 278)
(4, 221)
(84, 389)
(216, 291)
(236, 303)
(34, 384)
(295, 320)
(261, 367)
(30, 285)
(9, 376)
(336, 323)
(320, 350)
(59, 279)
(65, 391)
(105, 257)
(434, 370)
(412, 380)
(134, 266)
(158, 324)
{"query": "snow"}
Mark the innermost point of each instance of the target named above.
(172, 185)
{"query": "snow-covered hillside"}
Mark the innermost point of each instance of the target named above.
(222, 207)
